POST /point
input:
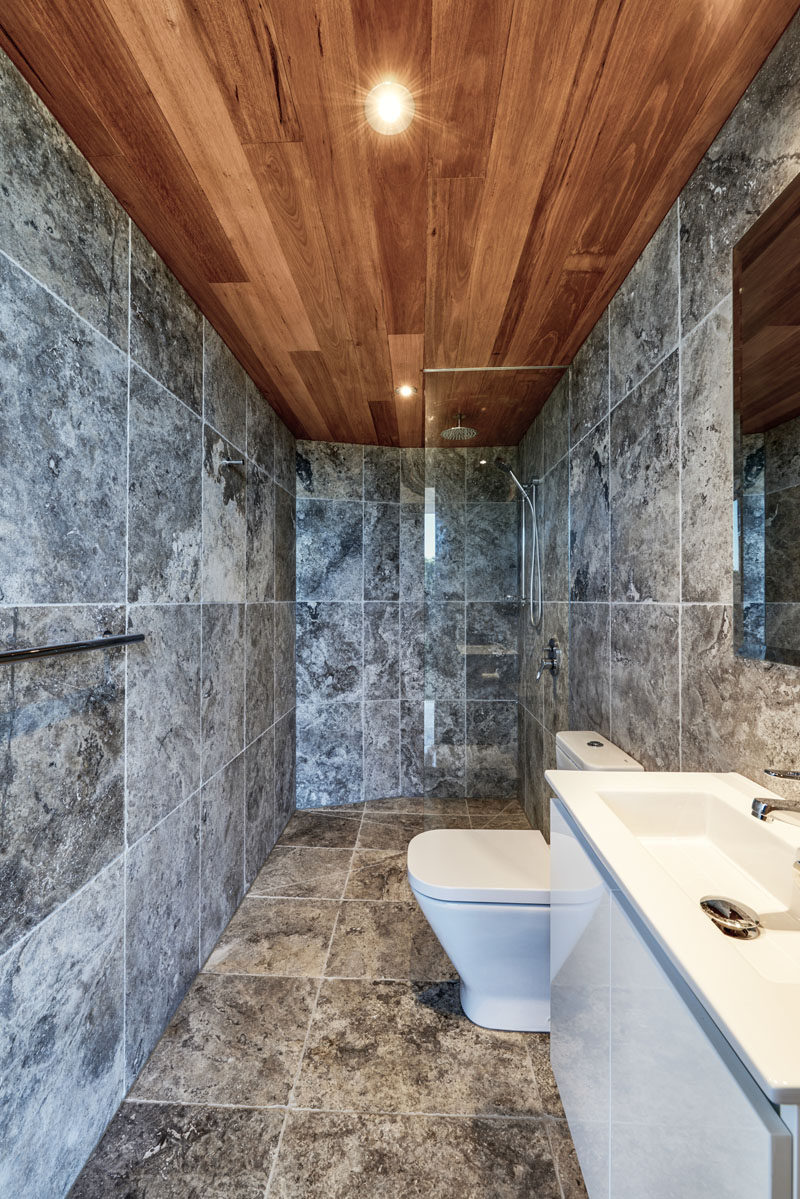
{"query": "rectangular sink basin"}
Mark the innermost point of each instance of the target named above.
(669, 840)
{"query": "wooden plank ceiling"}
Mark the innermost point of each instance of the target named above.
(550, 138)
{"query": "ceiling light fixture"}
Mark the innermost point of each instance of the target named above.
(389, 108)
(405, 390)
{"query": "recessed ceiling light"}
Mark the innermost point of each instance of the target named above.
(405, 390)
(389, 108)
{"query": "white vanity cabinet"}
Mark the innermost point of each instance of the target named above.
(658, 1103)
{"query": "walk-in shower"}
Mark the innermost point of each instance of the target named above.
(535, 565)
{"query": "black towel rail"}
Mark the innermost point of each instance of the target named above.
(68, 647)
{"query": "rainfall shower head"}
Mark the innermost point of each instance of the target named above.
(459, 432)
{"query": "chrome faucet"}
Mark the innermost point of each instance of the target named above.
(766, 809)
(551, 660)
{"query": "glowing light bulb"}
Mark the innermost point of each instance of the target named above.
(405, 390)
(389, 108)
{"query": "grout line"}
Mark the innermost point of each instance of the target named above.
(202, 660)
(680, 500)
(544, 1118)
(608, 588)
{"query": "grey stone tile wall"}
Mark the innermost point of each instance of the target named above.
(649, 529)
(141, 790)
(392, 650)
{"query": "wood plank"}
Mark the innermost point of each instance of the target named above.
(241, 46)
(454, 209)
(406, 354)
(384, 417)
(468, 52)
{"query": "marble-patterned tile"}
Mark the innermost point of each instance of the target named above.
(330, 471)
(541, 789)
(300, 873)
(162, 934)
(412, 476)
(782, 632)
(232, 1041)
(378, 874)
(412, 746)
(386, 940)
(322, 1152)
(285, 770)
(399, 1046)
(492, 570)
(330, 556)
(589, 516)
(645, 490)
(163, 701)
(63, 408)
(492, 650)
(553, 520)
(287, 937)
(381, 551)
(172, 1151)
(532, 768)
(538, 1045)
(389, 830)
(444, 571)
(331, 828)
(164, 496)
(328, 652)
(445, 748)
(707, 470)
(224, 390)
(223, 690)
(260, 541)
(62, 727)
(484, 480)
(57, 219)
(330, 753)
(781, 566)
(381, 748)
(738, 714)
(224, 521)
(781, 449)
(382, 474)
(555, 425)
(492, 766)
(166, 335)
(755, 155)
(531, 647)
(445, 472)
(285, 548)
(412, 650)
(643, 315)
(221, 851)
(555, 688)
(260, 669)
(645, 674)
(412, 553)
(445, 642)
(62, 1047)
(497, 814)
(589, 398)
(260, 429)
(530, 452)
(381, 651)
(284, 655)
(285, 458)
(589, 694)
(260, 832)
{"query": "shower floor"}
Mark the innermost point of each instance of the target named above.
(322, 1051)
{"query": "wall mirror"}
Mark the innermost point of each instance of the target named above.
(766, 389)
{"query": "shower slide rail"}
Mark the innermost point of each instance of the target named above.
(68, 647)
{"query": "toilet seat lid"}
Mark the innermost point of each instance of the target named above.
(481, 865)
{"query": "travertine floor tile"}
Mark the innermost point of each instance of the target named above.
(566, 1160)
(378, 874)
(496, 813)
(276, 936)
(329, 828)
(388, 830)
(408, 1047)
(303, 873)
(232, 1040)
(338, 1156)
(168, 1151)
(386, 940)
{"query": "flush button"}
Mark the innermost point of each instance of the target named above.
(595, 744)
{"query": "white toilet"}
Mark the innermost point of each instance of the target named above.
(486, 895)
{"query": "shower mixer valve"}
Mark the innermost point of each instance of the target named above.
(551, 660)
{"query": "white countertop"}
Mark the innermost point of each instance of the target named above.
(751, 989)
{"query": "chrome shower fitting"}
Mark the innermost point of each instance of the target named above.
(551, 660)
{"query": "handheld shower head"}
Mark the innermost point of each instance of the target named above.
(501, 464)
